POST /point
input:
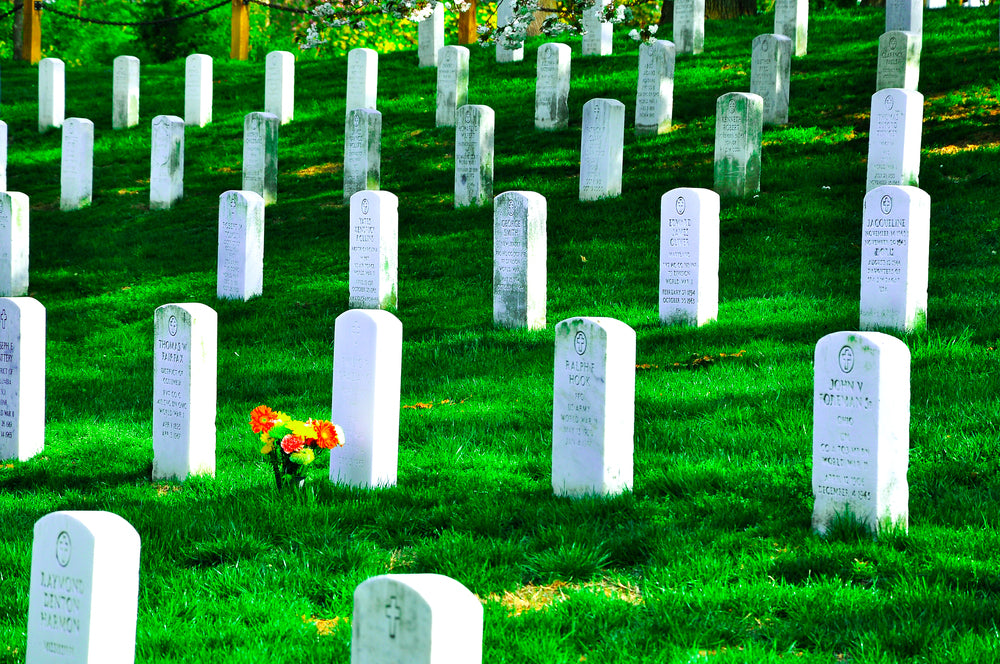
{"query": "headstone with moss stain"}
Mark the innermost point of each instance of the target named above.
(739, 124)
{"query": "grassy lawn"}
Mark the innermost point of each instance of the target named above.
(711, 557)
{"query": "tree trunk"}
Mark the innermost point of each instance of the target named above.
(18, 27)
(718, 9)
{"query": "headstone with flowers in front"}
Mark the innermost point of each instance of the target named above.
(22, 378)
(184, 390)
(367, 357)
(83, 589)
(411, 618)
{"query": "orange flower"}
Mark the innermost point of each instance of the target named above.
(328, 434)
(262, 419)
(292, 443)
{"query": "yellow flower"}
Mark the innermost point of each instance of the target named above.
(268, 447)
(305, 456)
(302, 429)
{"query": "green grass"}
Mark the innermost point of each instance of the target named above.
(715, 538)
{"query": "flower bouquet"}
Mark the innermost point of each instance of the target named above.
(291, 445)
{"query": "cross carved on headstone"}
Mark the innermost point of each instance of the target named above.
(3, 319)
(393, 613)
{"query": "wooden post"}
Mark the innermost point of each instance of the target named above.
(31, 31)
(467, 25)
(240, 43)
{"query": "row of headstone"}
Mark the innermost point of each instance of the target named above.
(83, 601)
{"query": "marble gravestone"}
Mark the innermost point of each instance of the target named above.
(430, 37)
(739, 124)
(197, 90)
(474, 131)
(51, 94)
(84, 589)
(689, 256)
(596, 40)
(552, 86)
(601, 145)
(3, 156)
(654, 99)
(791, 19)
(260, 155)
(22, 378)
(279, 85)
(166, 162)
(76, 173)
(898, 60)
(519, 256)
(593, 413)
(861, 430)
(184, 390)
(416, 618)
(362, 79)
(504, 54)
(895, 249)
(362, 151)
(240, 264)
(367, 356)
(770, 73)
(13, 244)
(689, 26)
(374, 243)
(125, 93)
(452, 84)
(894, 138)
(904, 15)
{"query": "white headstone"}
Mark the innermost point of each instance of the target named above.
(894, 138)
(84, 591)
(904, 15)
(77, 164)
(519, 253)
(362, 79)
(473, 155)
(593, 413)
(739, 124)
(935, 4)
(166, 162)
(689, 256)
(260, 155)
(430, 36)
(279, 85)
(240, 266)
(362, 151)
(125, 97)
(596, 38)
(601, 146)
(689, 25)
(861, 429)
(374, 242)
(898, 60)
(184, 380)
(503, 54)
(895, 246)
(22, 378)
(552, 86)
(654, 99)
(416, 618)
(791, 18)
(367, 356)
(3, 156)
(51, 94)
(452, 84)
(770, 73)
(198, 90)
(13, 244)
